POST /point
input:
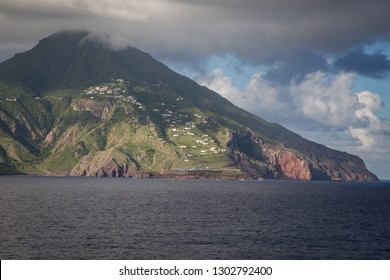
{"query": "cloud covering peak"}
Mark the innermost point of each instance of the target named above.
(257, 30)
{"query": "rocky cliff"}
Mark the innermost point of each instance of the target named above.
(278, 162)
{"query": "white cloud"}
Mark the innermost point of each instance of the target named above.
(328, 100)
(371, 103)
(258, 97)
(370, 130)
(262, 97)
(222, 84)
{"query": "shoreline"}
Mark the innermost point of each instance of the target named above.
(175, 176)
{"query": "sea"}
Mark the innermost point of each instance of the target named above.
(166, 219)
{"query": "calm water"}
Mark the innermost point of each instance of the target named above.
(101, 218)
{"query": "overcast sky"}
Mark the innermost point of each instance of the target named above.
(319, 67)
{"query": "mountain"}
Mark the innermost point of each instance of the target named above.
(72, 106)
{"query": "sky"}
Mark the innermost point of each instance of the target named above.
(319, 67)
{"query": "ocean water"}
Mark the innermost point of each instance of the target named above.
(117, 218)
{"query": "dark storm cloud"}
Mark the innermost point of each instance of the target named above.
(255, 31)
(40, 10)
(376, 65)
(295, 66)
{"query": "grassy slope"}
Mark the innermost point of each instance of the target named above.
(159, 133)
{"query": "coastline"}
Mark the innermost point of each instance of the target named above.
(196, 175)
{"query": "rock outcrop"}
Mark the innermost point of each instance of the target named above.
(278, 162)
(98, 109)
(101, 167)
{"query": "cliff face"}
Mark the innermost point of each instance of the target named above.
(92, 111)
(278, 162)
(101, 167)
(289, 165)
(97, 109)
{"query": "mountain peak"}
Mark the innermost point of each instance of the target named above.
(68, 59)
(71, 105)
(80, 38)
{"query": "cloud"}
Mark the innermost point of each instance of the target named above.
(370, 129)
(295, 66)
(258, 97)
(293, 38)
(77, 9)
(327, 99)
(254, 31)
(376, 65)
(330, 100)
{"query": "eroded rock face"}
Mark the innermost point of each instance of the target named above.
(101, 167)
(289, 165)
(98, 109)
(50, 136)
(278, 162)
(340, 166)
(20, 127)
(90, 166)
